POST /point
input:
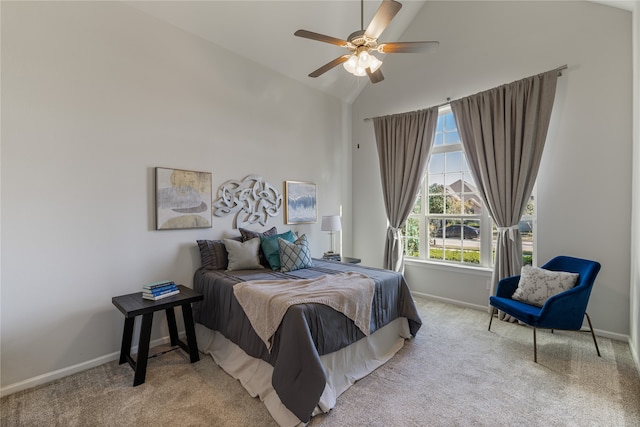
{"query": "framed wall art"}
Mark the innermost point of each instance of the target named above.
(183, 199)
(301, 205)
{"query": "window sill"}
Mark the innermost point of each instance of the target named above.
(458, 268)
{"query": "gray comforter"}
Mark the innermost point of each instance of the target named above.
(307, 331)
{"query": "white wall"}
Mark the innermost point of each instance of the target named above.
(635, 231)
(584, 183)
(94, 96)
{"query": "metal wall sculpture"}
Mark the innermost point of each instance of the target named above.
(252, 200)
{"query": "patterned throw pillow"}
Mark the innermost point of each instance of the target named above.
(296, 255)
(250, 234)
(537, 285)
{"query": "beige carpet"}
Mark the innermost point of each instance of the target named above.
(454, 373)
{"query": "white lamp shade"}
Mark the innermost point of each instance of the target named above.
(331, 223)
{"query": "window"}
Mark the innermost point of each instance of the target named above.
(449, 222)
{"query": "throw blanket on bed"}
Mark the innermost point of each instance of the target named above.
(265, 302)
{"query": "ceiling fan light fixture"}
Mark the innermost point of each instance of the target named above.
(358, 63)
(360, 72)
(351, 64)
(362, 43)
(374, 64)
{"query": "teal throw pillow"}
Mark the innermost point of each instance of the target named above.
(271, 250)
(296, 255)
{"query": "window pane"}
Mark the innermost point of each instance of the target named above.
(438, 139)
(451, 137)
(436, 164)
(472, 204)
(436, 244)
(530, 209)
(454, 162)
(436, 204)
(449, 121)
(436, 184)
(454, 204)
(526, 231)
(417, 207)
(412, 237)
(469, 182)
(453, 240)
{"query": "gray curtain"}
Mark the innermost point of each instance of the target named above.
(404, 142)
(503, 131)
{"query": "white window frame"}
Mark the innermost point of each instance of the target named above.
(486, 222)
(423, 217)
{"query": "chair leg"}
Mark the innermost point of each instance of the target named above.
(493, 312)
(535, 347)
(592, 334)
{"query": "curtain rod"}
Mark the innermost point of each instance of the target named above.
(559, 70)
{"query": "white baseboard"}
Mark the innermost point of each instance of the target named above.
(635, 355)
(452, 301)
(60, 373)
(598, 332)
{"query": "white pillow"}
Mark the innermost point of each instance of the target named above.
(243, 255)
(537, 285)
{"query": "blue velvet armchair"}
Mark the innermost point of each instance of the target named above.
(564, 311)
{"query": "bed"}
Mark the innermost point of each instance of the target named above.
(316, 352)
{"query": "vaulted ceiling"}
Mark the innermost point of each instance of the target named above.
(262, 30)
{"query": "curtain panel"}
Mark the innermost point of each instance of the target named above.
(404, 143)
(503, 131)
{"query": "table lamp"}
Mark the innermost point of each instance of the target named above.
(331, 223)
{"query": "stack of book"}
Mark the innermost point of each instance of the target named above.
(159, 290)
(331, 256)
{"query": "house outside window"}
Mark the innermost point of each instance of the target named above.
(448, 222)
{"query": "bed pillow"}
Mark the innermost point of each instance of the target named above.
(296, 255)
(251, 234)
(243, 255)
(271, 249)
(213, 254)
(537, 285)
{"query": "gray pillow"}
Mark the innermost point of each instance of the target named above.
(251, 234)
(213, 254)
(243, 255)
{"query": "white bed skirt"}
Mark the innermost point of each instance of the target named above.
(343, 367)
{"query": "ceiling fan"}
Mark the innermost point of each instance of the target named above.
(362, 43)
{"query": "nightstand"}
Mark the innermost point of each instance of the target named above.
(133, 305)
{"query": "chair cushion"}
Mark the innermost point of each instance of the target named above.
(536, 284)
(526, 313)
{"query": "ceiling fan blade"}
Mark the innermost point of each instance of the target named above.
(385, 13)
(408, 47)
(376, 76)
(326, 67)
(320, 37)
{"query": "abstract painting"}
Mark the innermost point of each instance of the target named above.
(183, 199)
(301, 206)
